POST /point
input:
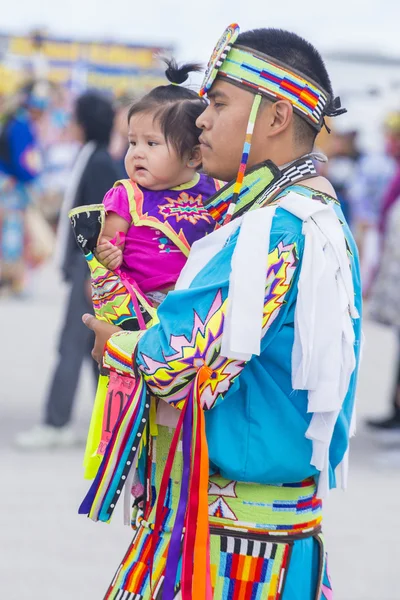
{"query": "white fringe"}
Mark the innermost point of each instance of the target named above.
(323, 355)
(323, 352)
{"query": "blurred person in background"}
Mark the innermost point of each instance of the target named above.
(392, 193)
(385, 293)
(344, 156)
(119, 137)
(59, 148)
(368, 194)
(93, 174)
(20, 168)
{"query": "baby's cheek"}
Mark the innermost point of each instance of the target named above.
(129, 164)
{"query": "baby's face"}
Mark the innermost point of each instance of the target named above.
(150, 161)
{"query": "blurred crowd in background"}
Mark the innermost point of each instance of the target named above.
(42, 132)
(38, 146)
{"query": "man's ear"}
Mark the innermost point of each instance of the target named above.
(281, 116)
(275, 116)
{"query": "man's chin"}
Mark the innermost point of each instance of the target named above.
(213, 170)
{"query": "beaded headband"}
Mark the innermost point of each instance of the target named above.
(267, 76)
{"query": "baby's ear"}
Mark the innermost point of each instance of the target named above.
(195, 158)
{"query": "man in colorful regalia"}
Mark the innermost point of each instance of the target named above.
(244, 399)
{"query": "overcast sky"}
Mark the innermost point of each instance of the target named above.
(193, 27)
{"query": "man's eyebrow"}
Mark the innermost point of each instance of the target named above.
(216, 94)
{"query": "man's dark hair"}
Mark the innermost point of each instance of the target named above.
(94, 112)
(175, 108)
(297, 53)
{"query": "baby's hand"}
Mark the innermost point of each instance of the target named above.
(109, 255)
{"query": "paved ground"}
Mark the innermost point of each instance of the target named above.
(48, 552)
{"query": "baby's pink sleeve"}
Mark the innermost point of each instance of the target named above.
(116, 200)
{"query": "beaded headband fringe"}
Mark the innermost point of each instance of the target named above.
(244, 159)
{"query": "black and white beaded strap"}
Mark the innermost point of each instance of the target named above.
(131, 458)
(296, 172)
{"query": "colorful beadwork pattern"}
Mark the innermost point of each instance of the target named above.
(281, 510)
(265, 75)
(218, 56)
(186, 207)
(260, 186)
(254, 184)
(246, 568)
(117, 359)
(113, 301)
(249, 559)
(240, 568)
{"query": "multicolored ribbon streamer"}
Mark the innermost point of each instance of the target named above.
(120, 457)
(192, 514)
(196, 555)
(191, 520)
